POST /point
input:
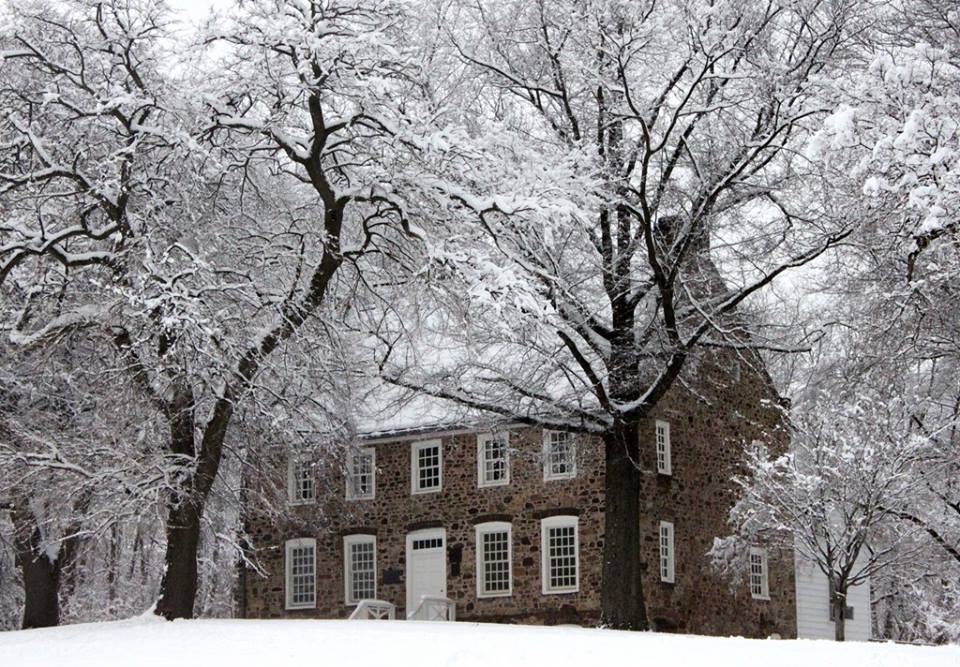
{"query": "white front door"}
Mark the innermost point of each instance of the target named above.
(426, 565)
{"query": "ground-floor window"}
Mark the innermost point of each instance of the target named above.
(301, 573)
(667, 559)
(560, 546)
(494, 559)
(359, 568)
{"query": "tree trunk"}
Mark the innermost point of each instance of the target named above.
(41, 573)
(622, 600)
(839, 603)
(178, 587)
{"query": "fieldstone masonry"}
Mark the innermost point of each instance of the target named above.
(709, 427)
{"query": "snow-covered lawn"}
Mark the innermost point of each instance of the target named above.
(207, 643)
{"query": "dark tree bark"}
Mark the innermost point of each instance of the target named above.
(42, 574)
(838, 605)
(622, 590)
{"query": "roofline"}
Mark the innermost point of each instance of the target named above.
(432, 430)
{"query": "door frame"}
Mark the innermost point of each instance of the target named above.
(425, 533)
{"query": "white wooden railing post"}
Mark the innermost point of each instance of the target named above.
(377, 610)
(434, 609)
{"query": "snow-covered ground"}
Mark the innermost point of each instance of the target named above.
(209, 643)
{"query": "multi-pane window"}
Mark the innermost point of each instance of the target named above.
(359, 568)
(426, 466)
(666, 552)
(493, 459)
(559, 455)
(362, 474)
(559, 544)
(494, 559)
(301, 567)
(301, 486)
(664, 463)
(759, 581)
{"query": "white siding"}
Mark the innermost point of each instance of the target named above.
(813, 609)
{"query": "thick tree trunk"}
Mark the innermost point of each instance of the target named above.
(178, 586)
(622, 600)
(41, 573)
(41, 590)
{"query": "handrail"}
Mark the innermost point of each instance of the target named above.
(434, 609)
(376, 610)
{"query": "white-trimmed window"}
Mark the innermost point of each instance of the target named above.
(426, 466)
(359, 568)
(493, 459)
(301, 573)
(664, 462)
(559, 455)
(494, 559)
(362, 474)
(560, 549)
(667, 557)
(759, 578)
(301, 485)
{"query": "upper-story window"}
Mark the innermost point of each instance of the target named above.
(301, 485)
(664, 461)
(560, 554)
(667, 558)
(493, 459)
(301, 573)
(494, 559)
(426, 466)
(359, 568)
(362, 474)
(759, 579)
(559, 455)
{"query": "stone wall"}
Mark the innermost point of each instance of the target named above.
(708, 431)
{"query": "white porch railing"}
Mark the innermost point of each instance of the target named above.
(434, 609)
(376, 610)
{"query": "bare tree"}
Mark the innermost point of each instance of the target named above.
(648, 188)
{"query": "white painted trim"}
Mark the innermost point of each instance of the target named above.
(289, 546)
(363, 451)
(667, 467)
(422, 534)
(671, 574)
(558, 522)
(348, 541)
(547, 476)
(440, 433)
(482, 440)
(414, 476)
(493, 527)
(765, 574)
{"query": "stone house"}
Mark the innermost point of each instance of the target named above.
(506, 521)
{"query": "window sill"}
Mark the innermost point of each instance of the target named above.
(420, 492)
(492, 485)
(300, 607)
(494, 596)
(569, 591)
(301, 503)
(559, 478)
(358, 498)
